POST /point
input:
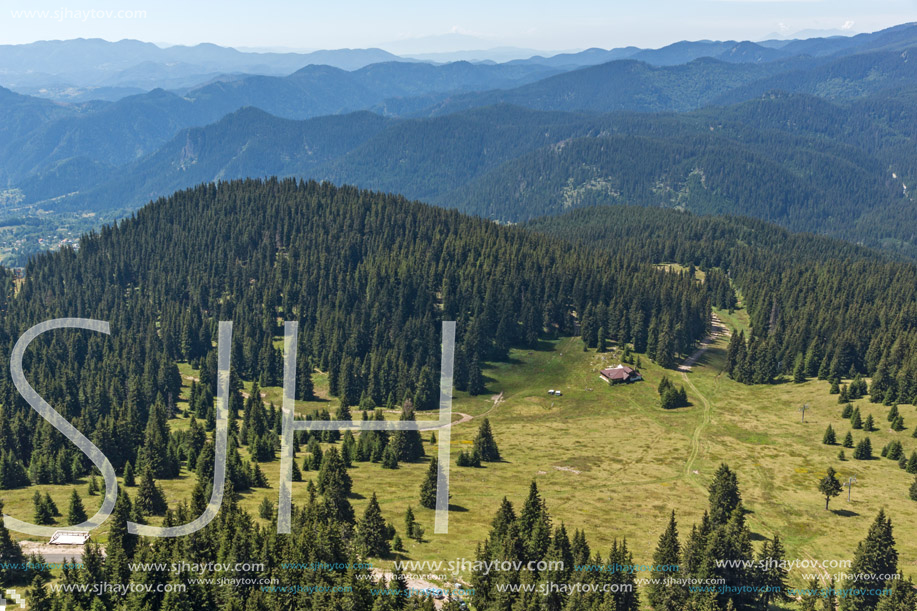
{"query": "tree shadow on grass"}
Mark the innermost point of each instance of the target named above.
(845, 513)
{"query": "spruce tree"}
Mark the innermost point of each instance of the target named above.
(773, 577)
(799, 370)
(475, 378)
(41, 511)
(76, 513)
(128, 474)
(892, 413)
(266, 509)
(409, 522)
(332, 474)
(37, 595)
(863, 450)
(912, 464)
(121, 544)
(876, 558)
(913, 491)
(829, 438)
(51, 505)
(848, 440)
(371, 530)
(390, 457)
(11, 570)
(724, 494)
(149, 500)
(484, 443)
(408, 444)
(429, 485)
(856, 421)
(663, 596)
(829, 486)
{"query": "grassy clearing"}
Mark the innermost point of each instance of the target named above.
(610, 461)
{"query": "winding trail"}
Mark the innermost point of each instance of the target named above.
(699, 429)
(718, 330)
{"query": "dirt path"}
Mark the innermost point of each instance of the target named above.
(698, 431)
(718, 330)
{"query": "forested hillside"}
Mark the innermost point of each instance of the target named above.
(797, 160)
(367, 275)
(824, 307)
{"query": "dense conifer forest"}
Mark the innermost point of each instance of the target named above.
(838, 309)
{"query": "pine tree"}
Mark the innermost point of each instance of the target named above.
(409, 522)
(305, 390)
(863, 450)
(266, 509)
(332, 474)
(11, 570)
(429, 485)
(390, 457)
(128, 474)
(371, 531)
(829, 438)
(829, 486)
(51, 505)
(869, 425)
(874, 560)
(848, 440)
(661, 595)
(913, 490)
(892, 413)
(121, 544)
(847, 412)
(912, 464)
(484, 443)
(799, 370)
(149, 499)
(773, 579)
(724, 494)
(856, 421)
(76, 513)
(93, 487)
(408, 444)
(899, 595)
(475, 378)
(42, 513)
(37, 595)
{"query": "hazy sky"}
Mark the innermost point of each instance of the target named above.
(541, 24)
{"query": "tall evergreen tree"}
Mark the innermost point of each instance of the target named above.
(724, 494)
(829, 486)
(876, 558)
(371, 531)
(429, 485)
(484, 443)
(662, 595)
(76, 513)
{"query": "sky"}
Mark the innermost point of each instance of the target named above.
(419, 26)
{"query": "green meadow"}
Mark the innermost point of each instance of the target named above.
(610, 461)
